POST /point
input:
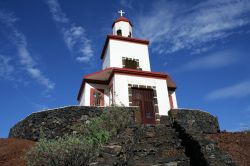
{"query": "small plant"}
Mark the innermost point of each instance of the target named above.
(79, 149)
(68, 150)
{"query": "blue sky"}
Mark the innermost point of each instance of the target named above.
(47, 46)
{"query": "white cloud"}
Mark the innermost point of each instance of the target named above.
(74, 36)
(6, 69)
(56, 12)
(26, 60)
(239, 90)
(212, 61)
(38, 75)
(172, 26)
(39, 107)
(7, 18)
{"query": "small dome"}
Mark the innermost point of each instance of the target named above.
(122, 19)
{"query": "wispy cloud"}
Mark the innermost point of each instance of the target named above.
(56, 12)
(25, 58)
(174, 26)
(128, 4)
(238, 90)
(74, 36)
(212, 61)
(39, 107)
(6, 69)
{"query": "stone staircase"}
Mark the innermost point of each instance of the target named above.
(144, 145)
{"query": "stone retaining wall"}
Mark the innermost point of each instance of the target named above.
(195, 120)
(57, 122)
(192, 126)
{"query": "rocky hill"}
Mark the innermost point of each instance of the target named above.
(179, 139)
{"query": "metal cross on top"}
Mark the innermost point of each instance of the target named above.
(121, 12)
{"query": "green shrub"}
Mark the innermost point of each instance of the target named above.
(78, 149)
(69, 150)
(112, 120)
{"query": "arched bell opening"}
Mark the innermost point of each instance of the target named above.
(119, 32)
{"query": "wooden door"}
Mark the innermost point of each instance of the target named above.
(144, 98)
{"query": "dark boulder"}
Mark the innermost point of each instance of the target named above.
(195, 120)
(53, 123)
(192, 126)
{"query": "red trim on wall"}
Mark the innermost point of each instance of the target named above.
(97, 72)
(96, 81)
(125, 71)
(171, 101)
(121, 38)
(122, 19)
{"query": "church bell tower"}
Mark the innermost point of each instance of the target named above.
(122, 50)
(126, 78)
(122, 26)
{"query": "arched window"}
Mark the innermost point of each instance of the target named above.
(119, 32)
(129, 34)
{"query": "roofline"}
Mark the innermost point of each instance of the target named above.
(138, 72)
(124, 71)
(121, 38)
(122, 19)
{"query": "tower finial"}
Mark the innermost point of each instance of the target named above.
(121, 12)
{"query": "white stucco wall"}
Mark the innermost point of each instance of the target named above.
(124, 26)
(174, 100)
(106, 60)
(120, 86)
(85, 99)
(82, 99)
(119, 49)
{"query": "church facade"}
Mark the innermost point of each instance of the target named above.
(126, 78)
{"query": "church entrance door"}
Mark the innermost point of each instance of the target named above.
(144, 98)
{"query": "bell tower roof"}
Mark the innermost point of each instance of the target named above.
(122, 18)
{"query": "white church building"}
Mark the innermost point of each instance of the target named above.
(126, 78)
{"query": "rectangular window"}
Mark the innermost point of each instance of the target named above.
(130, 63)
(96, 97)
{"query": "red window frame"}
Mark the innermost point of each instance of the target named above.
(92, 99)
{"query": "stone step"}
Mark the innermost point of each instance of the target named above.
(173, 163)
(152, 133)
(148, 147)
(170, 162)
(144, 145)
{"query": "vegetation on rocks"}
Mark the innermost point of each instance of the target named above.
(80, 147)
